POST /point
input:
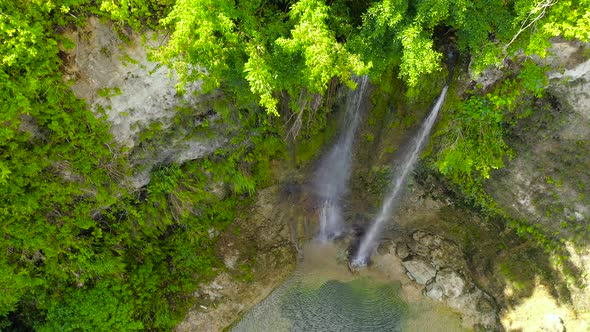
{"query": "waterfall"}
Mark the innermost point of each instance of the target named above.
(370, 239)
(332, 175)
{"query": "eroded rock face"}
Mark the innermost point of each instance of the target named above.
(476, 308)
(116, 77)
(434, 291)
(489, 77)
(437, 263)
(138, 97)
(265, 245)
(546, 183)
(419, 270)
(451, 283)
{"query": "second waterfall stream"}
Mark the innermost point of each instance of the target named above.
(369, 241)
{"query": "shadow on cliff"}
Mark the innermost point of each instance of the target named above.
(508, 266)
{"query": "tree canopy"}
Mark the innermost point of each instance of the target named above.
(293, 45)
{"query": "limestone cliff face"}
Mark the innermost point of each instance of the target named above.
(138, 97)
(152, 124)
(259, 252)
(548, 183)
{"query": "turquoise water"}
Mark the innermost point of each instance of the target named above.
(358, 305)
(322, 295)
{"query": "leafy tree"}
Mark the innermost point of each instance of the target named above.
(104, 307)
(250, 40)
(136, 13)
(473, 135)
(76, 243)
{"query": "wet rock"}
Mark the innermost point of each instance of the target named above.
(421, 271)
(420, 249)
(434, 291)
(402, 251)
(427, 240)
(451, 282)
(447, 255)
(469, 305)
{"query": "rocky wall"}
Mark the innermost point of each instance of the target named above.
(139, 97)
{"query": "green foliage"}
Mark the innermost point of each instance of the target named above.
(204, 37)
(80, 251)
(474, 130)
(136, 13)
(324, 57)
(568, 18)
(419, 58)
(47, 136)
(104, 307)
(284, 46)
(533, 78)
(475, 140)
(260, 78)
(250, 41)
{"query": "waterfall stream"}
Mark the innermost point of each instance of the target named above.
(370, 239)
(334, 171)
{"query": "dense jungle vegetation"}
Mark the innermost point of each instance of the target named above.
(80, 251)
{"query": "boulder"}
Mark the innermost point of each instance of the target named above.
(402, 251)
(427, 240)
(420, 250)
(470, 304)
(451, 282)
(434, 291)
(447, 255)
(421, 271)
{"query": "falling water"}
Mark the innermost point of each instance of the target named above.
(369, 241)
(334, 171)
